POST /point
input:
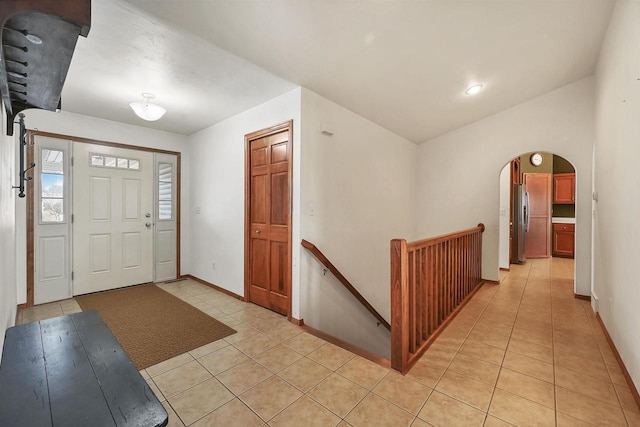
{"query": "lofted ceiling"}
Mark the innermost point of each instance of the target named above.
(403, 64)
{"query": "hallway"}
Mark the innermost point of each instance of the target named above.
(524, 353)
(528, 353)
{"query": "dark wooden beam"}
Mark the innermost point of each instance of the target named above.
(77, 12)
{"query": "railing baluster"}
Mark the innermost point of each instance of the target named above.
(440, 268)
(441, 281)
(428, 272)
(430, 281)
(467, 265)
(425, 296)
(445, 281)
(438, 282)
(454, 274)
(414, 301)
(418, 295)
(430, 294)
(460, 287)
(449, 278)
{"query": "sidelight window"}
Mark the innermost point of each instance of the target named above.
(52, 186)
(165, 191)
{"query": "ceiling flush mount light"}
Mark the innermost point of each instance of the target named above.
(474, 89)
(146, 110)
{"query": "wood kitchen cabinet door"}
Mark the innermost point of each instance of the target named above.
(563, 240)
(564, 188)
(538, 240)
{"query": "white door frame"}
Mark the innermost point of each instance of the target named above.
(31, 214)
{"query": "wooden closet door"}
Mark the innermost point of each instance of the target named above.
(538, 240)
(269, 256)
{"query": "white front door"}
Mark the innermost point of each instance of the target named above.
(113, 217)
(52, 219)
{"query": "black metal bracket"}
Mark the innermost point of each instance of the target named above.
(22, 143)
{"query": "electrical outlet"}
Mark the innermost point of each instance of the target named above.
(213, 264)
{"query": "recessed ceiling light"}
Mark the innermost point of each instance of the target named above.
(474, 89)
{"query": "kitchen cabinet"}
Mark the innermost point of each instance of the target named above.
(564, 188)
(563, 240)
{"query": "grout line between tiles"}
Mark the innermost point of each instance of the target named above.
(508, 341)
(555, 300)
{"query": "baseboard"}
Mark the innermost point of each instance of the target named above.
(583, 297)
(298, 322)
(211, 285)
(627, 377)
(348, 346)
(595, 302)
(491, 282)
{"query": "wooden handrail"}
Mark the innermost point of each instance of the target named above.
(431, 280)
(332, 268)
(444, 237)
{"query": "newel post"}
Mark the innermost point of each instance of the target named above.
(399, 305)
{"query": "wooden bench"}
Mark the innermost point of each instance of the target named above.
(70, 371)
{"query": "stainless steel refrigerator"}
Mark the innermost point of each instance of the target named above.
(520, 223)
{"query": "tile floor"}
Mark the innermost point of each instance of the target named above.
(524, 353)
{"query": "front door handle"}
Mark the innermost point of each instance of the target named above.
(148, 225)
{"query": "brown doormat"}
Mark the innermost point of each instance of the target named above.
(152, 325)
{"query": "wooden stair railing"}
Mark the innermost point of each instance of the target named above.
(332, 268)
(431, 280)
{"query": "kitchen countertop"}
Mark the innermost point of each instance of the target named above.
(561, 220)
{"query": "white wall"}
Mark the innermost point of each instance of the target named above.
(8, 178)
(617, 181)
(361, 185)
(103, 130)
(505, 215)
(217, 189)
(459, 171)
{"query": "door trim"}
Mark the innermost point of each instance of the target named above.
(30, 213)
(288, 126)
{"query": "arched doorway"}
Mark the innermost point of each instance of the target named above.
(537, 209)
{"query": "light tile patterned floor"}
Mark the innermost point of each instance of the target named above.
(525, 353)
